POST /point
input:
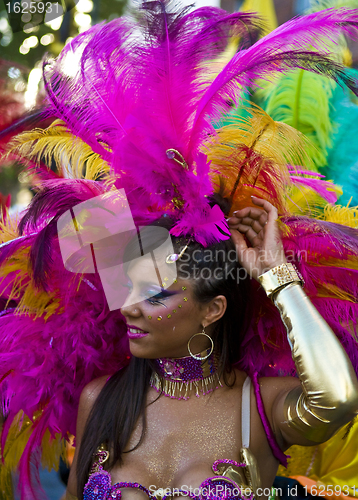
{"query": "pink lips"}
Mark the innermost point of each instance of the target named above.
(138, 335)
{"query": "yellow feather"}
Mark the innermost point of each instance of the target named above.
(32, 301)
(304, 201)
(52, 450)
(73, 157)
(348, 216)
(8, 229)
(277, 145)
(18, 436)
(276, 141)
(267, 10)
(328, 290)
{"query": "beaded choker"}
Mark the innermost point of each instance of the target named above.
(178, 377)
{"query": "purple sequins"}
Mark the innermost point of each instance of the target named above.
(185, 369)
(99, 487)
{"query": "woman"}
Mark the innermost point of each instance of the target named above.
(170, 443)
(138, 108)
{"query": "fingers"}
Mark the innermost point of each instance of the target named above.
(257, 221)
(254, 237)
(266, 205)
(248, 215)
(256, 224)
(240, 243)
(249, 212)
(252, 221)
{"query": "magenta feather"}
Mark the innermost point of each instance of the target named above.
(84, 342)
(142, 84)
(316, 248)
(325, 189)
(278, 52)
(139, 91)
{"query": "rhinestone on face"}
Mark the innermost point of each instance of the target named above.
(159, 318)
(185, 299)
(169, 316)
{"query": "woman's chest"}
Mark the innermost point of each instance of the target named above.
(182, 440)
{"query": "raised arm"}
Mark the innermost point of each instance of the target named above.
(327, 397)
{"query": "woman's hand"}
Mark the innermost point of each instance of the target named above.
(260, 227)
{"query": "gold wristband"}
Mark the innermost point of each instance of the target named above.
(278, 277)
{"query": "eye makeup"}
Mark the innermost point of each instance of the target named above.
(158, 298)
(152, 293)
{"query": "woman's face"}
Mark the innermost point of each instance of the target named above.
(161, 321)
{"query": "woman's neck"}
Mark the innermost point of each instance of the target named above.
(180, 378)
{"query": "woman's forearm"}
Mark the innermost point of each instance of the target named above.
(329, 395)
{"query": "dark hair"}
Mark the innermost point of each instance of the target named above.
(122, 401)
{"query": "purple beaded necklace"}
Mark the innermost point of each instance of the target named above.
(177, 377)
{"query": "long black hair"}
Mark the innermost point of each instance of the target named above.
(121, 403)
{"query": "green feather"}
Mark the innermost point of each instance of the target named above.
(301, 99)
(317, 5)
(241, 112)
(342, 161)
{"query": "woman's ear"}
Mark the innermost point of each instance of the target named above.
(214, 310)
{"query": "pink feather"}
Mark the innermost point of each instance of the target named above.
(277, 52)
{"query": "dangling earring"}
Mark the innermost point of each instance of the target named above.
(199, 358)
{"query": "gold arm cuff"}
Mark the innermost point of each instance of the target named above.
(328, 398)
(278, 277)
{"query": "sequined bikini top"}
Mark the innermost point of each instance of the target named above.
(231, 481)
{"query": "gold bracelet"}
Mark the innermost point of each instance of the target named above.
(278, 277)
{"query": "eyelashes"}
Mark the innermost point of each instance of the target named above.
(155, 297)
(155, 302)
(159, 298)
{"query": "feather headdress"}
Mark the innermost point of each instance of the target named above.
(136, 108)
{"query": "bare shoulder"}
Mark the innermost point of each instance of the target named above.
(92, 390)
(273, 387)
(87, 400)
